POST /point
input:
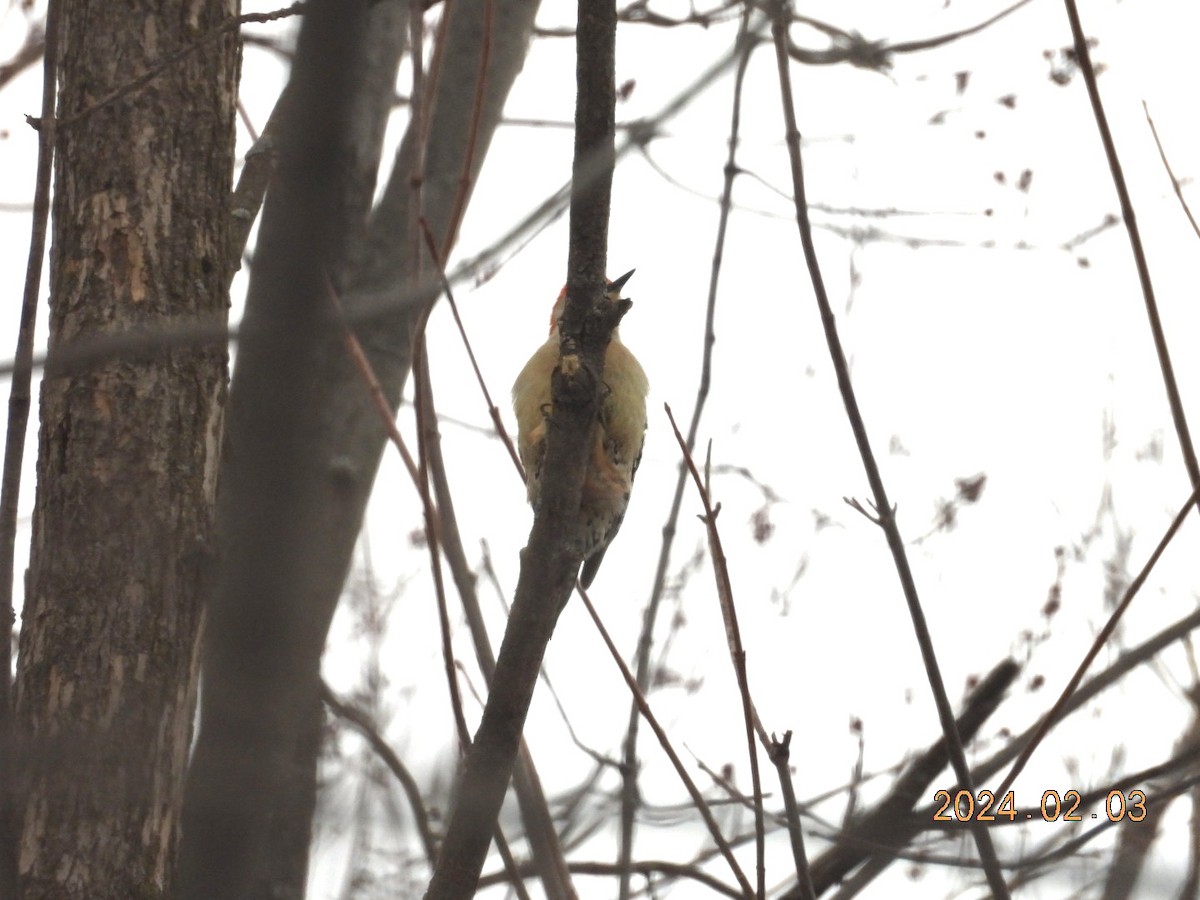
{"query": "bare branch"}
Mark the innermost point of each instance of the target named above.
(694, 792)
(883, 505)
(1056, 711)
(19, 400)
(1083, 58)
(364, 726)
(212, 37)
(737, 653)
(1175, 186)
(743, 49)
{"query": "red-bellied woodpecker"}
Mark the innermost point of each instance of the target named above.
(616, 445)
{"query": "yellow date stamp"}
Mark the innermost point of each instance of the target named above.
(963, 806)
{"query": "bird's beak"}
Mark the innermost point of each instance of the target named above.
(614, 286)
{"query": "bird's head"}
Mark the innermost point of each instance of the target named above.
(613, 292)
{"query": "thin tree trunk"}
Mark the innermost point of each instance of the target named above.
(123, 528)
(346, 440)
(266, 632)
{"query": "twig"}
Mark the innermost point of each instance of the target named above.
(378, 398)
(1084, 60)
(79, 355)
(256, 174)
(417, 474)
(1162, 796)
(424, 413)
(942, 39)
(725, 783)
(883, 506)
(364, 726)
(212, 37)
(493, 410)
(851, 47)
(746, 42)
(464, 179)
(645, 867)
(423, 399)
(247, 122)
(19, 400)
(1127, 662)
(737, 653)
(888, 826)
(644, 708)
(1051, 718)
(419, 126)
(779, 753)
(1162, 154)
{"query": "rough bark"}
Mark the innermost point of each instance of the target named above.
(123, 527)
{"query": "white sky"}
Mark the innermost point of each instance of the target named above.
(997, 354)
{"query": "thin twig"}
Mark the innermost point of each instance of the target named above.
(247, 122)
(1125, 663)
(423, 399)
(419, 125)
(1051, 718)
(851, 47)
(887, 517)
(257, 171)
(493, 410)
(882, 830)
(780, 755)
(744, 48)
(644, 708)
(79, 355)
(1162, 154)
(645, 867)
(737, 653)
(19, 400)
(417, 473)
(378, 398)
(943, 39)
(424, 412)
(1083, 59)
(472, 141)
(200, 43)
(363, 725)
(725, 783)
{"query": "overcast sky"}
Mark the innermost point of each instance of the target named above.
(988, 334)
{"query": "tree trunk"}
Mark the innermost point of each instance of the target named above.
(266, 631)
(123, 527)
(342, 453)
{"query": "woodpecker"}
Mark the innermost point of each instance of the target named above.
(619, 432)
